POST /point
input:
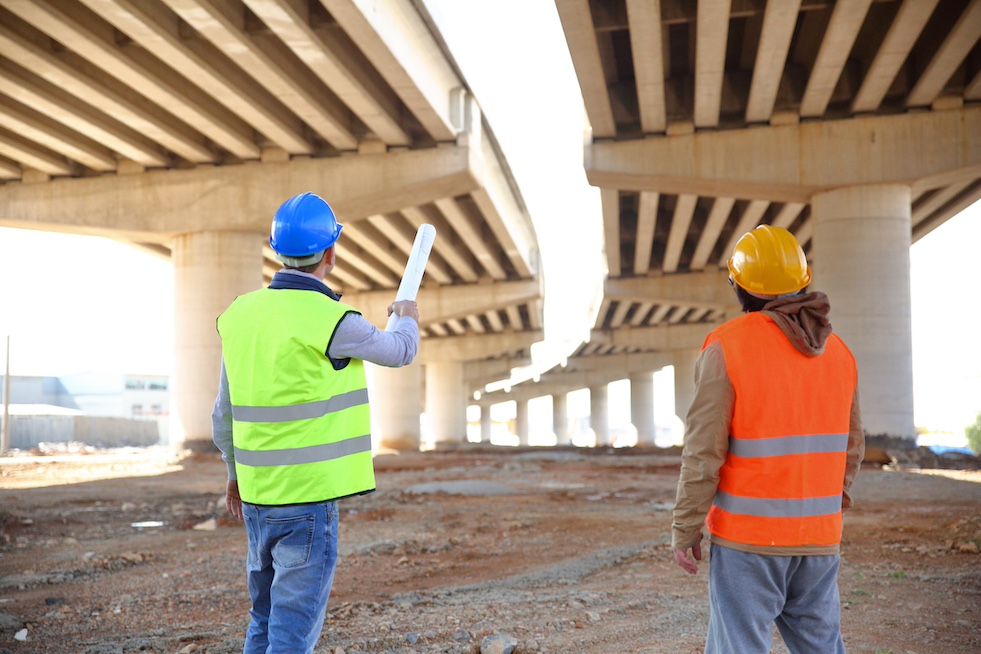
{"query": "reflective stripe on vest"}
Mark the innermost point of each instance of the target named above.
(781, 482)
(300, 427)
(300, 411)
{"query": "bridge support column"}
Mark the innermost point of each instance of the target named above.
(599, 419)
(684, 382)
(396, 403)
(210, 270)
(446, 401)
(642, 407)
(521, 421)
(861, 260)
(560, 418)
(485, 423)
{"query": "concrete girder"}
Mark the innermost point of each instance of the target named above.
(68, 88)
(237, 198)
(157, 30)
(95, 40)
(499, 201)
(710, 53)
(267, 60)
(903, 33)
(470, 348)
(956, 46)
(779, 21)
(846, 20)
(580, 33)
(57, 138)
(646, 223)
(583, 372)
(442, 303)
(477, 374)
(791, 163)
(394, 37)
(659, 338)
(645, 44)
(709, 289)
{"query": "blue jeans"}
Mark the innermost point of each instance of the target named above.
(748, 593)
(292, 556)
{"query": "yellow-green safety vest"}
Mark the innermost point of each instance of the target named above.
(300, 426)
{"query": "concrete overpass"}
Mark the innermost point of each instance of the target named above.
(856, 125)
(178, 126)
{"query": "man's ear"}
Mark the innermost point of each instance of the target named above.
(329, 255)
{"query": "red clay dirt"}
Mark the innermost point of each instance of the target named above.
(574, 559)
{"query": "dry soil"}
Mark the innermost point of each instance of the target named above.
(565, 551)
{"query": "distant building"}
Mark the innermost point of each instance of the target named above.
(105, 409)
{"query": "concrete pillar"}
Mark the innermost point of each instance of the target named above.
(861, 260)
(396, 404)
(521, 421)
(446, 401)
(599, 420)
(642, 407)
(560, 418)
(684, 381)
(485, 423)
(210, 270)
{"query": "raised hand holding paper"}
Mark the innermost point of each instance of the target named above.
(414, 269)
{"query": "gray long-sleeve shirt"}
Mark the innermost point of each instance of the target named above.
(355, 338)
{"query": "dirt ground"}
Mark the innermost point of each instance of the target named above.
(564, 551)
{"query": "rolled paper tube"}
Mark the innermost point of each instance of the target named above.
(414, 269)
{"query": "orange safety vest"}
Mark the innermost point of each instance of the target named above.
(782, 480)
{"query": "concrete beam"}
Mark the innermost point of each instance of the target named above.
(708, 289)
(791, 163)
(442, 303)
(470, 348)
(477, 374)
(236, 198)
(583, 372)
(659, 338)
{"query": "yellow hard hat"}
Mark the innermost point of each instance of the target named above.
(769, 261)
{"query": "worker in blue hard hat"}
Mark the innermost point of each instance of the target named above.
(292, 422)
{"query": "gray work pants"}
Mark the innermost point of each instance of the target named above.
(748, 593)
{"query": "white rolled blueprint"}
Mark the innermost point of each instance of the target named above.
(414, 269)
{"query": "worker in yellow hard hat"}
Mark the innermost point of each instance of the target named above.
(773, 442)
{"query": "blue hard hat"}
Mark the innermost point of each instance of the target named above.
(303, 225)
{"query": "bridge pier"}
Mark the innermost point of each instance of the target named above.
(684, 381)
(642, 406)
(210, 270)
(862, 238)
(560, 418)
(396, 403)
(521, 423)
(599, 419)
(446, 401)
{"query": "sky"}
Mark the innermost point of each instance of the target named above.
(80, 303)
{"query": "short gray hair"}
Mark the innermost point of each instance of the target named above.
(301, 262)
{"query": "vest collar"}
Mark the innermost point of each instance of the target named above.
(301, 281)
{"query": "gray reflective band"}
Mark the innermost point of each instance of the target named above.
(778, 508)
(300, 411)
(817, 443)
(312, 454)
